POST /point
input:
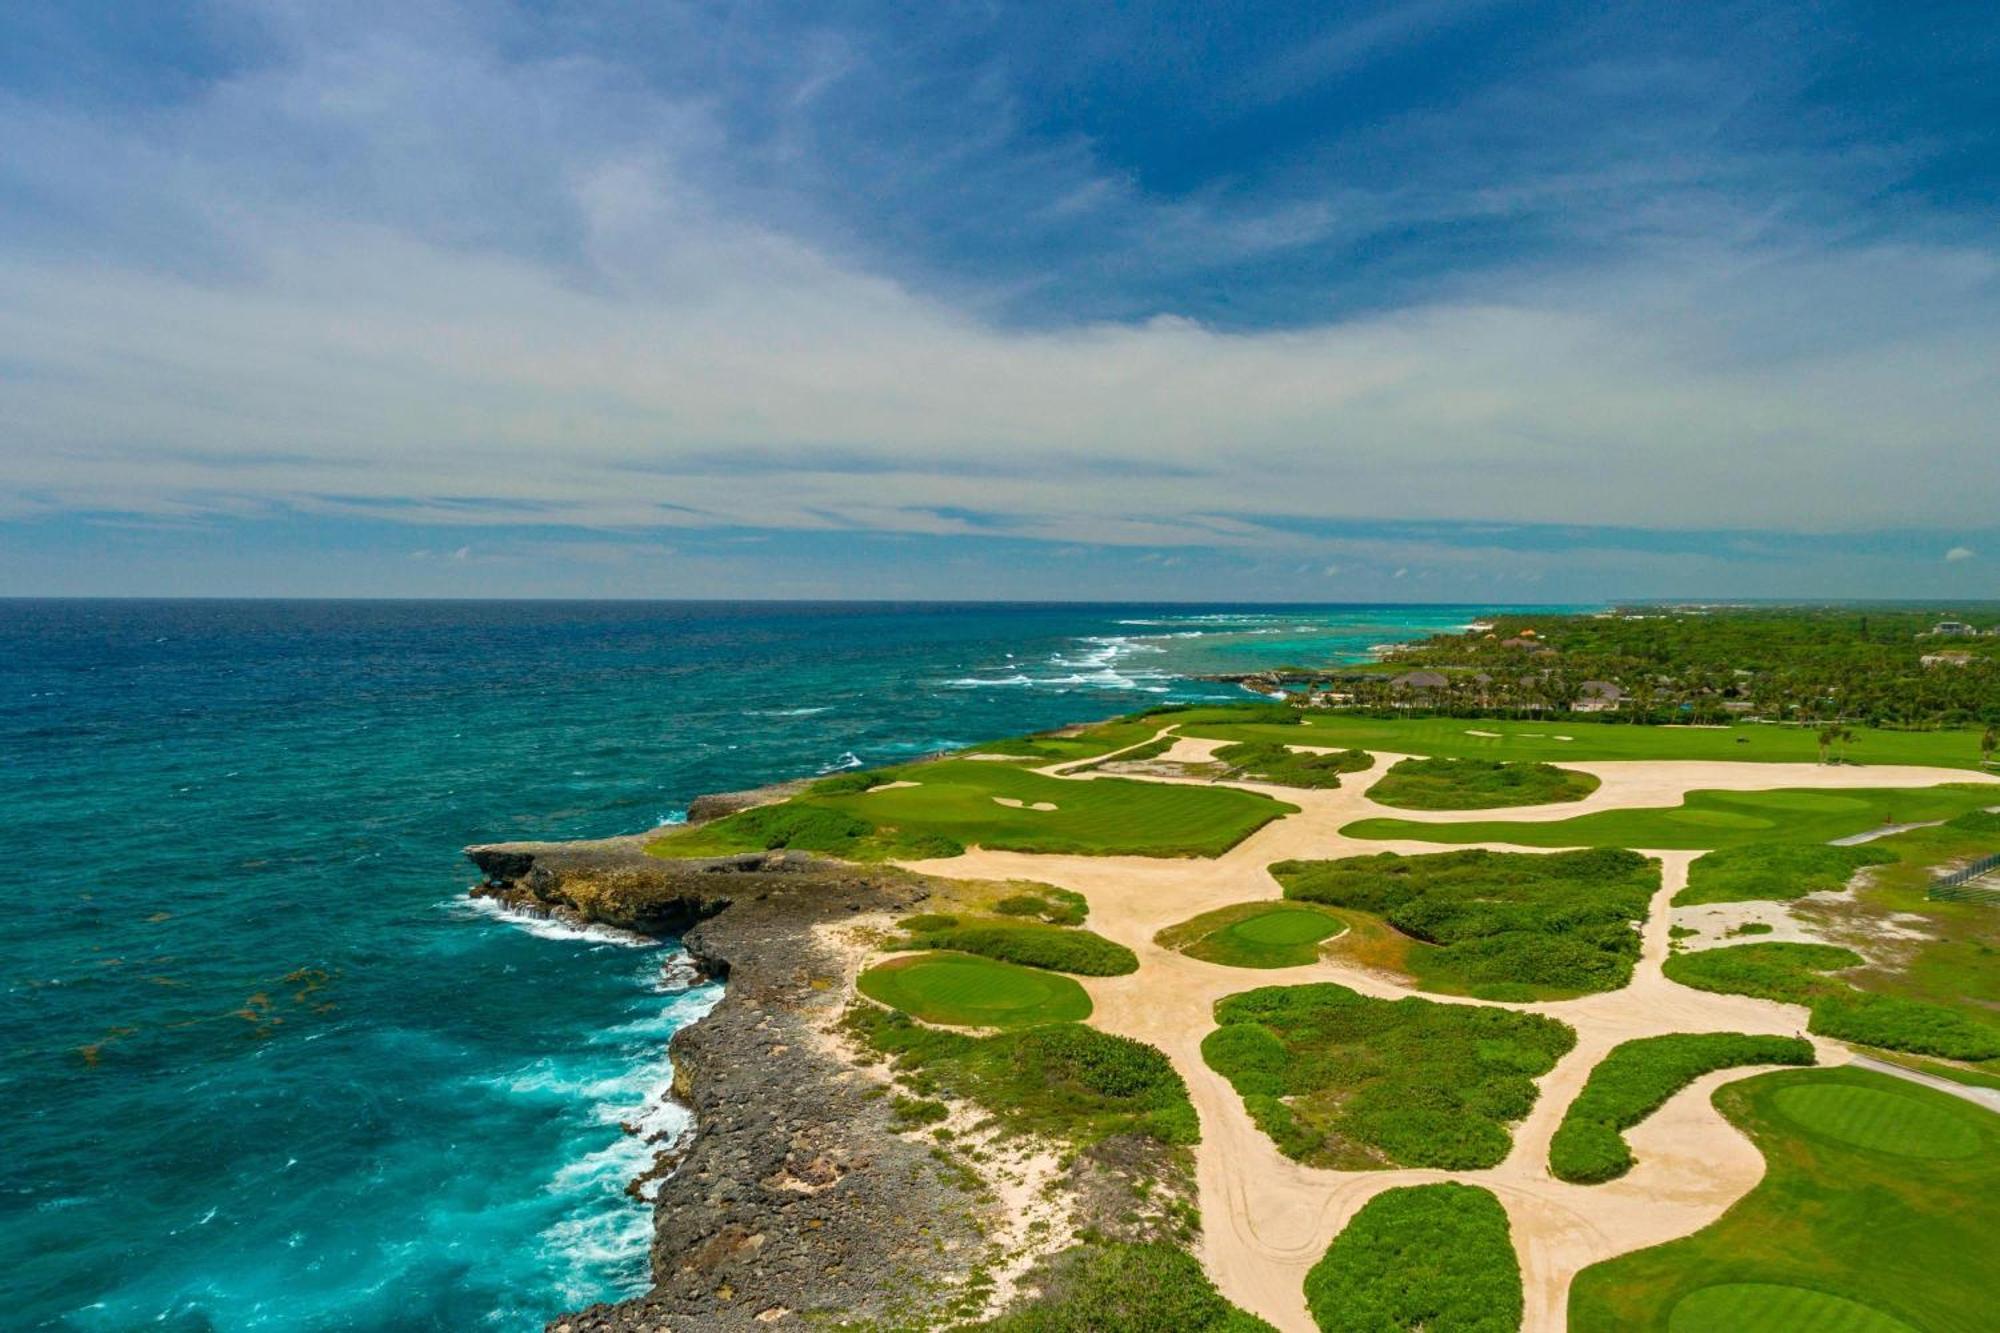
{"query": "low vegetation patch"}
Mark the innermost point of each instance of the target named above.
(1073, 742)
(1478, 784)
(965, 990)
(1840, 1233)
(1340, 1080)
(1774, 872)
(1126, 1288)
(1499, 925)
(805, 825)
(1796, 974)
(1435, 1258)
(1266, 934)
(1635, 1080)
(1268, 761)
(1065, 1080)
(1055, 948)
(1708, 819)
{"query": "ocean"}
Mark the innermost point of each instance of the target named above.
(268, 1068)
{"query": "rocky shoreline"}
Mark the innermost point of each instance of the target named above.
(793, 1194)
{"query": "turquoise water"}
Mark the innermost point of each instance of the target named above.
(266, 1068)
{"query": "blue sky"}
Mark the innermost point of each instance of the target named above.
(1445, 299)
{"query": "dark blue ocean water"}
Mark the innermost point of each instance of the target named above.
(265, 1068)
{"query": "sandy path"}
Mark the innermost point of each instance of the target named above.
(1268, 1219)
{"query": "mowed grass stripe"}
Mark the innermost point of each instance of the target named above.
(1761, 1307)
(1879, 1121)
(1261, 934)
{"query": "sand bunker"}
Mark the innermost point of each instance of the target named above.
(1016, 803)
(891, 786)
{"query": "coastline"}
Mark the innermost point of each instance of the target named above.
(791, 1191)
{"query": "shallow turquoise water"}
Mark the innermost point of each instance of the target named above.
(267, 1069)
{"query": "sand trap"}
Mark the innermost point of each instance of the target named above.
(1485, 735)
(1015, 803)
(891, 786)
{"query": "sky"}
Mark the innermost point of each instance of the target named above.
(1458, 300)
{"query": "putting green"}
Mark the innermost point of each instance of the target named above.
(1878, 1121)
(1762, 1307)
(1275, 934)
(965, 990)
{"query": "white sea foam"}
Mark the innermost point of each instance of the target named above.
(848, 759)
(552, 928)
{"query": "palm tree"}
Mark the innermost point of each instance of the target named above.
(1831, 736)
(1988, 744)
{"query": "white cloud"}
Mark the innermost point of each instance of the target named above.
(1958, 553)
(378, 339)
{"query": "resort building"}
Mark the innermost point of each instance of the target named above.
(1596, 696)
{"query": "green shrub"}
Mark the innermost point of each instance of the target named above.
(1635, 1080)
(1436, 1258)
(1124, 1288)
(1022, 904)
(1976, 821)
(1506, 925)
(914, 1112)
(1477, 784)
(1269, 761)
(1052, 947)
(1341, 1080)
(924, 921)
(1786, 972)
(1064, 1080)
(846, 784)
(1774, 872)
(1794, 974)
(1897, 1024)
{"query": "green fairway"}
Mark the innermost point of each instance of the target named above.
(1834, 1225)
(1266, 934)
(965, 990)
(1878, 1121)
(1496, 925)
(1710, 819)
(1342, 1080)
(1488, 738)
(958, 803)
(1477, 784)
(1763, 1307)
(1072, 743)
(1437, 1258)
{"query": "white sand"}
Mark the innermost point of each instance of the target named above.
(1016, 803)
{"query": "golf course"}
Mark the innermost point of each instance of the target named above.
(1422, 1018)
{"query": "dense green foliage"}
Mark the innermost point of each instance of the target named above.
(1813, 664)
(1058, 907)
(1435, 1258)
(1082, 952)
(966, 990)
(1709, 819)
(1636, 1079)
(1265, 934)
(1064, 1080)
(954, 804)
(1338, 1079)
(1580, 740)
(1898, 1235)
(1501, 925)
(1774, 871)
(1124, 1288)
(1795, 974)
(1268, 761)
(1478, 784)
